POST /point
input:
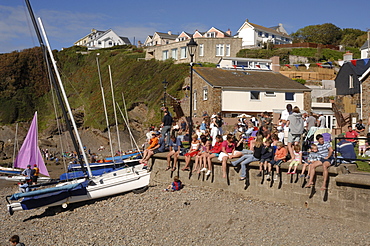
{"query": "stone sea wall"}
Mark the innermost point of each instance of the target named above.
(347, 197)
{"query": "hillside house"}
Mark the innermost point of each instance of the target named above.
(365, 50)
(237, 91)
(212, 46)
(160, 38)
(271, 64)
(351, 96)
(254, 36)
(102, 39)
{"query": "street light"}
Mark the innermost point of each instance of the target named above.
(192, 46)
(165, 84)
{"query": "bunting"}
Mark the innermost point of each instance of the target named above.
(234, 66)
(287, 65)
(296, 66)
(307, 65)
(268, 66)
(319, 64)
(354, 62)
(258, 66)
(366, 60)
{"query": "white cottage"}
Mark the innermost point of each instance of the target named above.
(102, 39)
(254, 35)
(241, 91)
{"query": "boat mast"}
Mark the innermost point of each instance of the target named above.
(105, 108)
(15, 142)
(58, 93)
(124, 104)
(115, 111)
(77, 135)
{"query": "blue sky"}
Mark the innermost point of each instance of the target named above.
(67, 21)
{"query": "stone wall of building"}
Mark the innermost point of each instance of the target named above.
(347, 104)
(366, 99)
(209, 50)
(348, 195)
(307, 101)
(207, 98)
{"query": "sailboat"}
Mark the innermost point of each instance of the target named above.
(135, 178)
(29, 154)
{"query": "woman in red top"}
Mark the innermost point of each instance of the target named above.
(228, 148)
(214, 152)
(194, 150)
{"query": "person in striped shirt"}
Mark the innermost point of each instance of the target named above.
(325, 151)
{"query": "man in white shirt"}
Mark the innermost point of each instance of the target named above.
(321, 120)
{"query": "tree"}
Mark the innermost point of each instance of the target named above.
(322, 34)
(352, 37)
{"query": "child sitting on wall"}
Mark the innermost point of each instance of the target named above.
(312, 157)
(297, 159)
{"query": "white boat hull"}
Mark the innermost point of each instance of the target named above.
(19, 178)
(108, 184)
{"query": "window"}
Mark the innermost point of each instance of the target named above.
(182, 39)
(219, 50)
(255, 95)
(165, 55)
(273, 36)
(228, 50)
(195, 100)
(266, 35)
(259, 34)
(270, 94)
(351, 81)
(174, 54)
(183, 52)
(211, 35)
(289, 96)
(99, 42)
(205, 93)
(201, 50)
(110, 42)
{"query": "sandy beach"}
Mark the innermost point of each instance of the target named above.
(191, 216)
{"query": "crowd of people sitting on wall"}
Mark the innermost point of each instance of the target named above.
(254, 140)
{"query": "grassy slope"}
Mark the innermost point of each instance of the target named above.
(139, 80)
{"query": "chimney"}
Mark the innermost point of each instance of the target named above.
(275, 64)
(347, 56)
(169, 33)
(228, 32)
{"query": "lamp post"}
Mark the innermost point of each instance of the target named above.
(192, 46)
(165, 84)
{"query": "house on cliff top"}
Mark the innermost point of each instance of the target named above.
(102, 39)
(254, 36)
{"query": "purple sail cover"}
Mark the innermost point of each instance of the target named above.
(30, 154)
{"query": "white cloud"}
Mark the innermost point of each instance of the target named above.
(62, 27)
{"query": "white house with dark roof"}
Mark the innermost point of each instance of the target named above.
(365, 50)
(102, 39)
(254, 35)
(244, 91)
